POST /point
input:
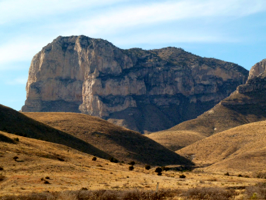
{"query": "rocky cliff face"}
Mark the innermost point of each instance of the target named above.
(142, 90)
(257, 69)
(245, 105)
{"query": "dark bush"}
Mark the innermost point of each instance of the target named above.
(165, 168)
(2, 177)
(182, 176)
(131, 168)
(147, 167)
(1, 168)
(227, 174)
(47, 177)
(46, 182)
(114, 160)
(16, 139)
(132, 163)
(15, 158)
(94, 158)
(158, 169)
(159, 173)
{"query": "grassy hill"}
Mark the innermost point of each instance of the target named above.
(14, 122)
(121, 143)
(175, 140)
(240, 149)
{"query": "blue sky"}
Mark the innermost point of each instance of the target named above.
(230, 30)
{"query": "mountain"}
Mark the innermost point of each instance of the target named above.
(247, 104)
(143, 90)
(14, 122)
(240, 149)
(119, 142)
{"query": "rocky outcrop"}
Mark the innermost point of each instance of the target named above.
(141, 90)
(247, 104)
(257, 69)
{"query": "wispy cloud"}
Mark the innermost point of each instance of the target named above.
(20, 10)
(123, 24)
(17, 81)
(161, 12)
(18, 50)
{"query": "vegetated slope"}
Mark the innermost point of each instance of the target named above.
(119, 142)
(143, 90)
(14, 122)
(175, 140)
(247, 104)
(242, 148)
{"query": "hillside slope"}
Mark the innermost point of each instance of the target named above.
(175, 140)
(247, 104)
(123, 144)
(240, 149)
(14, 122)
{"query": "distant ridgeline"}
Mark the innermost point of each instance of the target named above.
(143, 90)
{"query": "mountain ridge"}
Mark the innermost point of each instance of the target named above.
(144, 90)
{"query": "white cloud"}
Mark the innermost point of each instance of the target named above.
(115, 23)
(126, 17)
(17, 10)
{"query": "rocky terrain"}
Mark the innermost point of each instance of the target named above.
(247, 104)
(144, 90)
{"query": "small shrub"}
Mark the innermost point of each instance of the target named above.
(131, 168)
(60, 159)
(182, 176)
(46, 182)
(16, 139)
(15, 158)
(159, 173)
(147, 167)
(165, 168)
(114, 160)
(94, 158)
(47, 177)
(158, 169)
(240, 175)
(1, 168)
(132, 163)
(227, 174)
(2, 177)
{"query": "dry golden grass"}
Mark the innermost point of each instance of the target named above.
(240, 149)
(175, 140)
(235, 110)
(14, 122)
(68, 169)
(121, 143)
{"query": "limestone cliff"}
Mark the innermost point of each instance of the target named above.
(257, 69)
(247, 104)
(144, 90)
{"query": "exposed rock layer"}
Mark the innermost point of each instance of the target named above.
(247, 104)
(142, 90)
